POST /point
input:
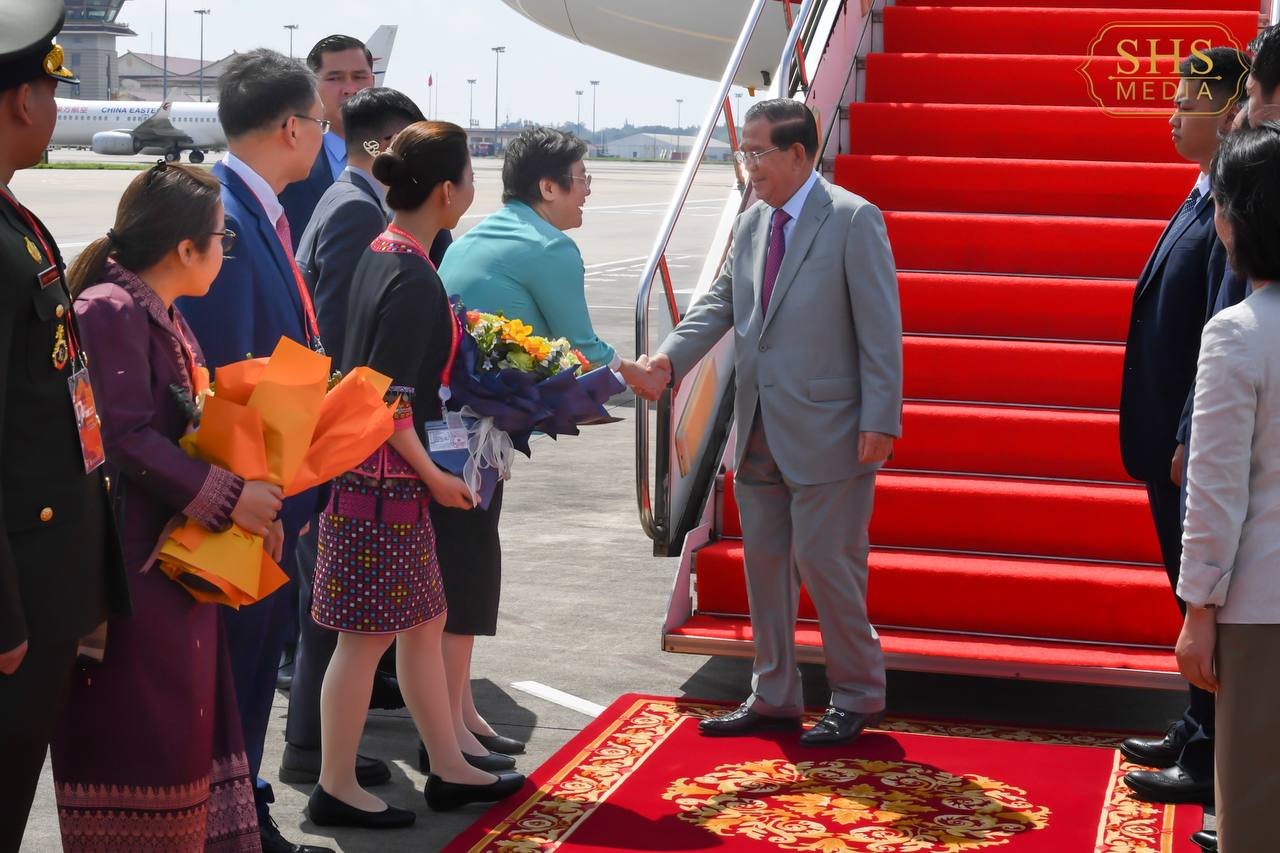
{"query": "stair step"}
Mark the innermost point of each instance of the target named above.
(1027, 373)
(1010, 441)
(1024, 245)
(1053, 31)
(1015, 306)
(1206, 5)
(997, 185)
(1010, 132)
(975, 78)
(932, 651)
(1085, 602)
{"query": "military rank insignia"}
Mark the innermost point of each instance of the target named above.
(33, 251)
(61, 350)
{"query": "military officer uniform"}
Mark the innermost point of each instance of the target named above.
(61, 573)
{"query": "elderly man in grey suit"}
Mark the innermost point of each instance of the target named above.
(810, 292)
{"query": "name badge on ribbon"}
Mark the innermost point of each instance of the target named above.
(448, 434)
(87, 422)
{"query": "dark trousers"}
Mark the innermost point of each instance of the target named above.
(31, 702)
(1198, 721)
(256, 637)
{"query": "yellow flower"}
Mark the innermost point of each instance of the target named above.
(537, 347)
(516, 331)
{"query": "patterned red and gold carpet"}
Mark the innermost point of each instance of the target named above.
(641, 778)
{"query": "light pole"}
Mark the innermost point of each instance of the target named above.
(291, 28)
(202, 13)
(679, 102)
(164, 86)
(578, 127)
(471, 117)
(595, 96)
(497, 60)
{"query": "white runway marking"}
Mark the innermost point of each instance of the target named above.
(559, 697)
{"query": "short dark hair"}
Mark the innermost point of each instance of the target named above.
(371, 114)
(421, 157)
(1266, 59)
(335, 44)
(1223, 72)
(260, 88)
(792, 122)
(1246, 188)
(539, 152)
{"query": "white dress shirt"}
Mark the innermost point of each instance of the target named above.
(259, 186)
(794, 205)
(1231, 536)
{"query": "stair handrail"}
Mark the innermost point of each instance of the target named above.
(657, 254)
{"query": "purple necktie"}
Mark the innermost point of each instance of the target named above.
(773, 261)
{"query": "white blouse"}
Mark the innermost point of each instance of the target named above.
(1231, 536)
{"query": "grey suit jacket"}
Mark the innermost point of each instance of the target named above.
(825, 362)
(348, 218)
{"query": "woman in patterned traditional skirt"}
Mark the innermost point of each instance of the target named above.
(149, 755)
(377, 578)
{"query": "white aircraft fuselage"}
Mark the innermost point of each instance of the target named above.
(109, 127)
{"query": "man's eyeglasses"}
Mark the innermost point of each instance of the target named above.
(228, 240)
(323, 122)
(586, 180)
(752, 158)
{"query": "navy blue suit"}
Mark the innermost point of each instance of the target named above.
(301, 197)
(254, 302)
(1174, 298)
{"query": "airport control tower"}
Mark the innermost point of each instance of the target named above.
(89, 39)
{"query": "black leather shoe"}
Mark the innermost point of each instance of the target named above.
(742, 720)
(1173, 785)
(501, 745)
(324, 809)
(302, 767)
(494, 762)
(445, 796)
(839, 726)
(1207, 840)
(386, 693)
(274, 842)
(1159, 752)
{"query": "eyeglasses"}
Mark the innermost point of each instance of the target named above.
(228, 240)
(324, 123)
(752, 158)
(586, 180)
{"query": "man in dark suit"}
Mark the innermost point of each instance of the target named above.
(61, 574)
(272, 114)
(349, 216)
(1174, 296)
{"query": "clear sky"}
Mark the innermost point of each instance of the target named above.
(449, 40)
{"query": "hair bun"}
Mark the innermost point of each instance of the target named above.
(389, 168)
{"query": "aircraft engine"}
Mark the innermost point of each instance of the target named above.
(115, 143)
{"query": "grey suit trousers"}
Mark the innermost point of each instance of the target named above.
(816, 534)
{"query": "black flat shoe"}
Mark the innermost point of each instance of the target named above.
(445, 796)
(493, 762)
(1171, 786)
(325, 809)
(1206, 840)
(499, 744)
(839, 726)
(742, 720)
(273, 842)
(1158, 752)
(302, 767)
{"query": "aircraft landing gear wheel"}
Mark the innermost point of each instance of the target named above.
(196, 157)
(172, 156)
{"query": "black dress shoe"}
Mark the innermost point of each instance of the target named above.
(445, 796)
(499, 744)
(324, 809)
(386, 693)
(839, 726)
(302, 767)
(274, 842)
(494, 762)
(1160, 752)
(1206, 839)
(742, 720)
(1172, 786)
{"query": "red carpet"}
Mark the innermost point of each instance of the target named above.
(1020, 214)
(641, 778)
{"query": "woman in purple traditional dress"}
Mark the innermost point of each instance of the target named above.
(149, 755)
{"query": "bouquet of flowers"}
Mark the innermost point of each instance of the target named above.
(511, 345)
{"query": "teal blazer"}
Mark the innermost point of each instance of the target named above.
(517, 263)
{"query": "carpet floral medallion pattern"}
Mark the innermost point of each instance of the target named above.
(583, 797)
(853, 804)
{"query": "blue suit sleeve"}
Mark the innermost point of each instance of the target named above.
(223, 319)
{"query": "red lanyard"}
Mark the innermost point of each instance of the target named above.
(413, 243)
(190, 356)
(308, 307)
(73, 340)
